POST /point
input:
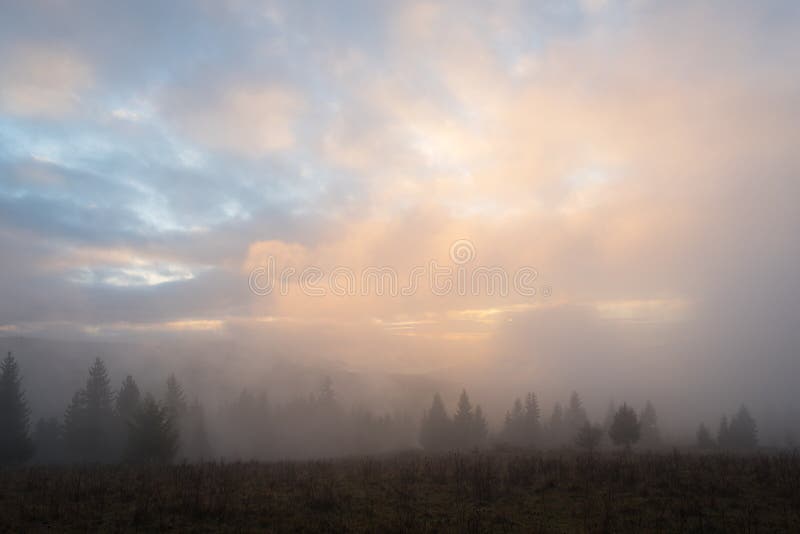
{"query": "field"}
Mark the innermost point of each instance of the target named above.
(471, 492)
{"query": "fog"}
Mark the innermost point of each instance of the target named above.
(639, 157)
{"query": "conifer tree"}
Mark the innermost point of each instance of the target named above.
(704, 440)
(174, 399)
(75, 427)
(742, 432)
(128, 399)
(16, 446)
(651, 436)
(589, 437)
(480, 429)
(90, 431)
(723, 434)
(463, 422)
(532, 422)
(514, 427)
(126, 406)
(625, 429)
(611, 411)
(436, 427)
(556, 425)
(152, 437)
(99, 396)
(575, 416)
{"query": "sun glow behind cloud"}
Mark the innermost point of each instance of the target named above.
(608, 144)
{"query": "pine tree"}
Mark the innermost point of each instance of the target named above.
(704, 440)
(514, 427)
(126, 406)
(533, 428)
(480, 429)
(463, 421)
(651, 436)
(589, 437)
(75, 427)
(625, 429)
(575, 417)
(556, 425)
(177, 410)
(742, 432)
(153, 438)
(16, 446)
(128, 399)
(99, 396)
(611, 411)
(436, 428)
(174, 399)
(103, 436)
(90, 429)
(723, 434)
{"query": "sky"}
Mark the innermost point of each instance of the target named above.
(639, 157)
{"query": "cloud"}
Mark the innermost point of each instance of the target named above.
(641, 156)
(249, 120)
(42, 81)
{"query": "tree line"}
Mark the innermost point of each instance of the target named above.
(738, 432)
(104, 425)
(101, 424)
(524, 427)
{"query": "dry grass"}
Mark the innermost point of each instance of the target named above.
(479, 492)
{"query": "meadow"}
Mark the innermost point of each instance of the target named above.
(492, 491)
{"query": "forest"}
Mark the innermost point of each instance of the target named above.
(102, 424)
(127, 460)
(399, 266)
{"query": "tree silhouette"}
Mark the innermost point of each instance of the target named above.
(98, 389)
(514, 427)
(589, 437)
(75, 426)
(126, 407)
(152, 437)
(247, 420)
(16, 446)
(463, 421)
(89, 423)
(574, 417)
(723, 433)
(556, 425)
(174, 399)
(742, 432)
(522, 425)
(625, 429)
(704, 440)
(436, 428)
(532, 423)
(128, 399)
(651, 436)
(480, 429)
(469, 428)
(611, 411)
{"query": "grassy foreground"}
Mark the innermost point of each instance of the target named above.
(471, 492)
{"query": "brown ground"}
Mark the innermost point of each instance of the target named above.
(478, 492)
